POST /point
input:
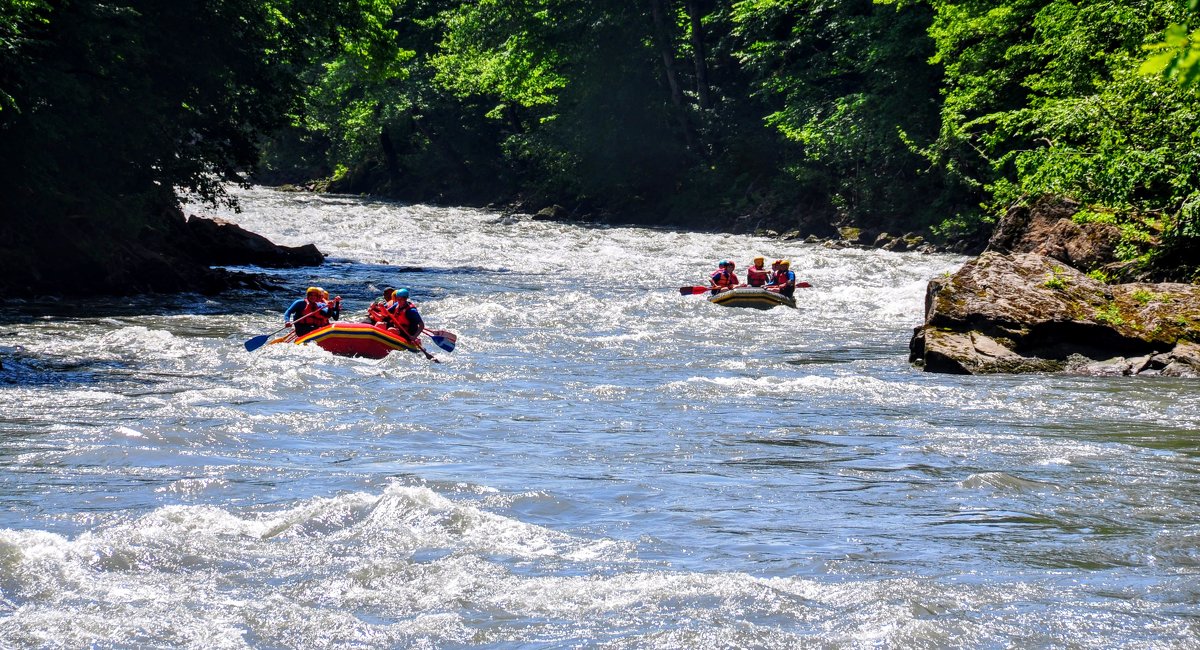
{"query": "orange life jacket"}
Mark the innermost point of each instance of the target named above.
(724, 278)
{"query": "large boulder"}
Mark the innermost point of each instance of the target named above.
(1030, 313)
(218, 242)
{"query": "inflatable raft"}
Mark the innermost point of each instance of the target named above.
(752, 297)
(357, 340)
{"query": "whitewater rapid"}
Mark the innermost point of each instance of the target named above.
(601, 462)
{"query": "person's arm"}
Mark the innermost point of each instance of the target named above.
(416, 323)
(291, 311)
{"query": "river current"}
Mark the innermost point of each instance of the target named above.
(601, 462)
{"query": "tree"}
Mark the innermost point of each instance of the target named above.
(849, 82)
(112, 106)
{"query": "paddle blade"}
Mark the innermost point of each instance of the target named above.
(443, 342)
(692, 291)
(449, 336)
(256, 342)
(803, 285)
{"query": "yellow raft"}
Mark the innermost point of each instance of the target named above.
(752, 297)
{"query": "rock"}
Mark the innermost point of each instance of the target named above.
(552, 213)
(1183, 361)
(887, 242)
(853, 236)
(217, 242)
(1028, 312)
(1047, 228)
(975, 353)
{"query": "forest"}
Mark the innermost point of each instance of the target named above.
(923, 116)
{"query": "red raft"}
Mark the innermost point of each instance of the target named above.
(357, 340)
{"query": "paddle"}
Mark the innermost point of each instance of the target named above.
(697, 290)
(443, 339)
(426, 352)
(260, 340)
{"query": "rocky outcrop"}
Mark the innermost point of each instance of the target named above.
(1047, 227)
(1031, 313)
(217, 242)
(168, 254)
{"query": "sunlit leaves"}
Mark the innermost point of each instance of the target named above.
(501, 48)
(16, 18)
(1176, 56)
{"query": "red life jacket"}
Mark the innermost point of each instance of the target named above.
(314, 316)
(378, 313)
(757, 277)
(397, 317)
(782, 277)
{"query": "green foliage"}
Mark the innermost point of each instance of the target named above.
(850, 84)
(1056, 280)
(1110, 314)
(1177, 55)
(1045, 97)
(17, 19)
(886, 115)
(1092, 214)
(1144, 297)
(502, 48)
(115, 105)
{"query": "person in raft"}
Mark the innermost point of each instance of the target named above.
(311, 312)
(785, 280)
(404, 317)
(335, 306)
(723, 279)
(756, 275)
(377, 311)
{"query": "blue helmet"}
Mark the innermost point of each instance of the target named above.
(401, 293)
(723, 263)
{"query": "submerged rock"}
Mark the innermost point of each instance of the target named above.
(1030, 313)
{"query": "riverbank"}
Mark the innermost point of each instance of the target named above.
(169, 252)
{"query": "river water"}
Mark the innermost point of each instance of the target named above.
(600, 463)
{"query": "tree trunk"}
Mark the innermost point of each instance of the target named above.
(698, 54)
(662, 36)
(389, 157)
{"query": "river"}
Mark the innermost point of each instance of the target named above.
(601, 462)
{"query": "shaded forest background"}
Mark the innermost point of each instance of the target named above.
(923, 116)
